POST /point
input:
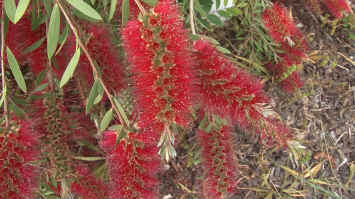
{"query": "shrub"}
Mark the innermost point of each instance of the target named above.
(104, 100)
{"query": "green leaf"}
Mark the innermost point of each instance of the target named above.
(125, 12)
(92, 96)
(34, 46)
(69, 71)
(63, 38)
(218, 4)
(199, 9)
(113, 7)
(15, 68)
(90, 159)
(224, 50)
(85, 8)
(215, 20)
(151, 3)
(121, 110)
(10, 9)
(106, 120)
(234, 11)
(206, 5)
(224, 14)
(21, 9)
(41, 87)
(47, 6)
(3, 95)
(100, 94)
(53, 31)
(16, 109)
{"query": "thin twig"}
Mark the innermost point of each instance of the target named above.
(141, 8)
(192, 23)
(3, 75)
(91, 61)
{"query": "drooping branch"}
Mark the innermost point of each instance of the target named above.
(91, 60)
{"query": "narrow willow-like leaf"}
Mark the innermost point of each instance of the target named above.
(215, 20)
(106, 120)
(100, 94)
(41, 87)
(63, 38)
(53, 31)
(85, 8)
(34, 46)
(92, 96)
(16, 109)
(112, 9)
(15, 69)
(3, 95)
(125, 12)
(21, 9)
(69, 71)
(90, 159)
(47, 6)
(121, 110)
(10, 9)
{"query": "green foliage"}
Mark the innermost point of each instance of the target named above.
(16, 71)
(53, 31)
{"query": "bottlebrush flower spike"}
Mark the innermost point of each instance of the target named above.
(232, 93)
(219, 161)
(158, 49)
(283, 30)
(53, 122)
(20, 36)
(338, 7)
(224, 89)
(286, 72)
(88, 186)
(133, 165)
(19, 148)
(101, 47)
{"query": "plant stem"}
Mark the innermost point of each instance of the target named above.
(192, 23)
(140, 6)
(91, 61)
(3, 75)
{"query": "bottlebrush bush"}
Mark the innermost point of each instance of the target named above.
(101, 102)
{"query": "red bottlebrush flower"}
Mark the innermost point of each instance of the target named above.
(231, 92)
(219, 161)
(88, 186)
(19, 147)
(286, 72)
(161, 63)
(283, 30)
(224, 89)
(133, 166)
(102, 48)
(338, 7)
(20, 36)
